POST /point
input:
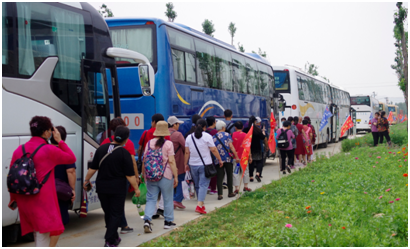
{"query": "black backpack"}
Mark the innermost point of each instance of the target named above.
(283, 141)
(22, 178)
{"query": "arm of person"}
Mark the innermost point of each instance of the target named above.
(186, 158)
(172, 163)
(71, 180)
(134, 183)
(134, 163)
(61, 154)
(234, 152)
(90, 174)
(214, 151)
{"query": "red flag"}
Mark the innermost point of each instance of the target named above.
(246, 145)
(390, 118)
(272, 142)
(405, 117)
(346, 126)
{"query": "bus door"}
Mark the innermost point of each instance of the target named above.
(334, 124)
(95, 118)
(353, 114)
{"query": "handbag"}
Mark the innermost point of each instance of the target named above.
(139, 161)
(64, 191)
(210, 170)
(142, 200)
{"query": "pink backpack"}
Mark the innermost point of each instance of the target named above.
(154, 167)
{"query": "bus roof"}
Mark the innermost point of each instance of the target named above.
(128, 21)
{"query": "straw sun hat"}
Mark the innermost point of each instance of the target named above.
(161, 129)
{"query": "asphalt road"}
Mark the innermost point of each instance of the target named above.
(89, 232)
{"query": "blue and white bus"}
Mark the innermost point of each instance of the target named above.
(194, 74)
(57, 60)
(306, 95)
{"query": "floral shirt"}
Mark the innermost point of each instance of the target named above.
(225, 139)
(382, 125)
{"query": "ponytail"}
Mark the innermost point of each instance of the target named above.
(200, 124)
(160, 142)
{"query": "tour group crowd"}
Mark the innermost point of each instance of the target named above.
(209, 141)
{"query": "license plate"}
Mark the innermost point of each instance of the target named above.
(358, 120)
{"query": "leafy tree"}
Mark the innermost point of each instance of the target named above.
(232, 31)
(401, 44)
(105, 11)
(241, 48)
(260, 52)
(311, 69)
(208, 27)
(170, 13)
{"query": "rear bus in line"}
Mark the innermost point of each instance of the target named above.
(394, 110)
(57, 59)
(306, 95)
(194, 74)
(366, 106)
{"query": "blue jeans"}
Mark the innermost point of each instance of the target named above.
(167, 187)
(200, 180)
(178, 195)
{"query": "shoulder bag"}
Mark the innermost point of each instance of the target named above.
(210, 170)
(227, 151)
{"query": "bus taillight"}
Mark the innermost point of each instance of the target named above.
(149, 23)
(294, 107)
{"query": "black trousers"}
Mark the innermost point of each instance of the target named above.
(256, 164)
(220, 174)
(291, 160)
(375, 138)
(113, 207)
(384, 134)
(283, 155)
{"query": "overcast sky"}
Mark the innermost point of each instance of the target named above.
(351, 43)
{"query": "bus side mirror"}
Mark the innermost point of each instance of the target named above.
(143, 71)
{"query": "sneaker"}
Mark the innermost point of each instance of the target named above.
(127, 229)
(169, 224)
(220, 197)
(288, 169)
(147, 226)
(284, 172)
(203, 207)
(213, 192)
(261, 176)
(224, 185)
(231, 195)
(155, 216)
(251, 180)
(117, 241)
(258, 178)
(179, 204)
(236, 191)
(109, 245)
(200, 210)
(247, 189)
(160, 212)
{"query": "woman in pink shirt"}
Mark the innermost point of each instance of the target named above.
(168, 181)
(40, 213)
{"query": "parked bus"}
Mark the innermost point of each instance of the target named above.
(57, 66)
(366, 106)
(306, 95)
(194, 74)
(383, 107)
(393, 109)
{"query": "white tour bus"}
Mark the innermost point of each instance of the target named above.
(365, 106)
(306, 95)
(58, 61)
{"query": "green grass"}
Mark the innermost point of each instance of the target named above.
(398, 135)
(351, 188)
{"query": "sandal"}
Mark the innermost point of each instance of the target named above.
(220, 197)
(258, 178)
(231, 195)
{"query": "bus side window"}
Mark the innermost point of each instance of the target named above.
(300, 88)
(205, 55)
(223, 69)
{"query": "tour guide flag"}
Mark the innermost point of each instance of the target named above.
(390, 118)
(246, 145)
(271, 142)
(326, 115)
(346, 126)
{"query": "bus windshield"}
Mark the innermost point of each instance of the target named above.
(282, 82)
(392, 109)
(363, 100)
(136, 38)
